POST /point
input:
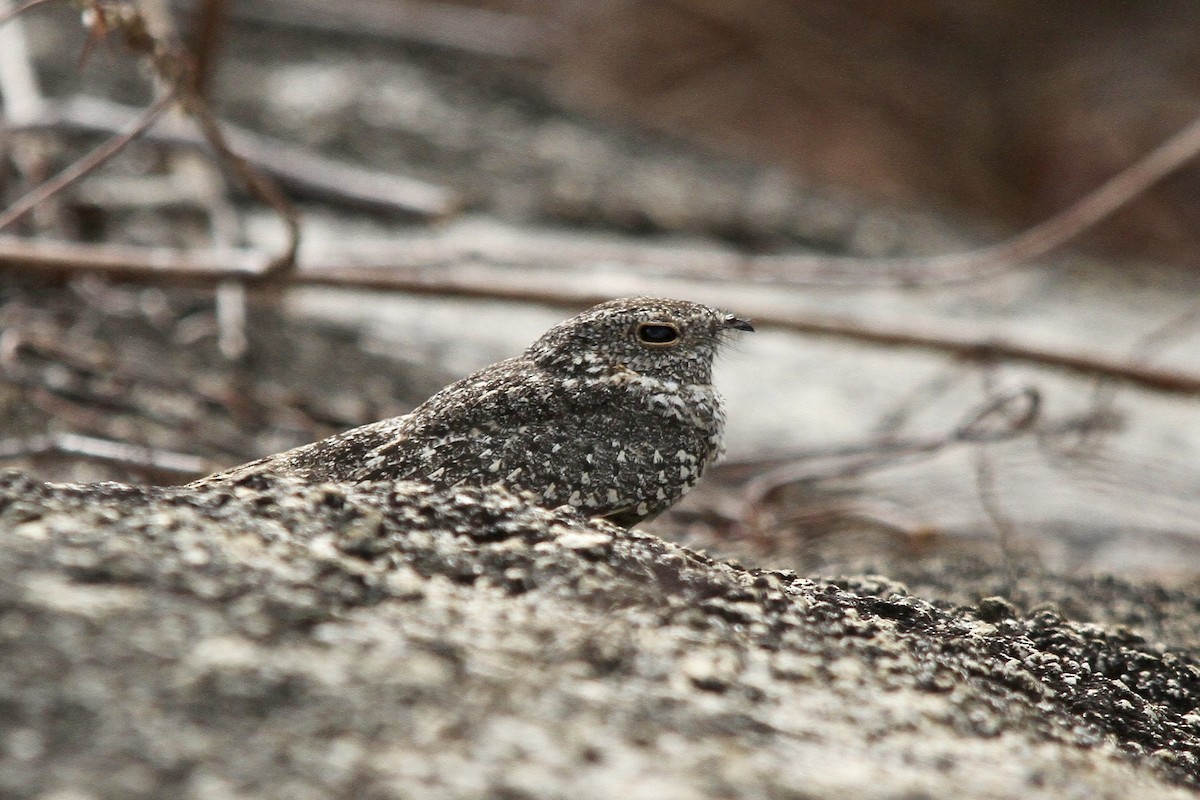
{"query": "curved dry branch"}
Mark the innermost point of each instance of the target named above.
(89, 163)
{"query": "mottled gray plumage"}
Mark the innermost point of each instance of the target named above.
(612, 412)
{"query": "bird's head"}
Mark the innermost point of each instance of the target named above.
(665, 339)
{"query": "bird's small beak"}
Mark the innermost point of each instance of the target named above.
(731, 321)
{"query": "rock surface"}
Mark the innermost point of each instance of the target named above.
(277, 640)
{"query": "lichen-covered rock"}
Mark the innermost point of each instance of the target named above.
(281, 640)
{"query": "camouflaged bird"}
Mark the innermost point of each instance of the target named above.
(612, 412)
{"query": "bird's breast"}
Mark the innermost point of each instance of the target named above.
(698, 405)
(690, 414)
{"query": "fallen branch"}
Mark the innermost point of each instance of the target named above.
(131, 261)
(167, 266)
(975, 350)
(295, 167)
(89, 163)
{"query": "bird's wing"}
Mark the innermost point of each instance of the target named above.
(330, 459)
(507, 412)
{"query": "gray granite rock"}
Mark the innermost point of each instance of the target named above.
(278, 640)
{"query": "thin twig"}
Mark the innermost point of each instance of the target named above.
(255, 182)
(175, 68)
(1000, 418)
(83, 166)
(975, 350)
(145, 263)
(297, 168)
(989, 501)
(126, 262)
(1037, 241)
(206, 41)
(991, 350)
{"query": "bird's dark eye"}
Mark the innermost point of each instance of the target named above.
(658, 333)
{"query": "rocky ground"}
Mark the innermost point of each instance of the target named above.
(280, 640)
(275, 640)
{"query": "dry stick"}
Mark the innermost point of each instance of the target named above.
(1110, 196)
(131, 261)
(987, 490)
(1002, 417)
(83, 166)
(989, 500)
(1032, 243)
(148, 264)
(294, 166)
(175, 69)
(1163, 380)
(416, 282)
(206, 39)
(259, 185)
(187, 70)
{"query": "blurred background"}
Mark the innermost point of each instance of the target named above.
(466, 174)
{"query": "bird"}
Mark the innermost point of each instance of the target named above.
(612, 412)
